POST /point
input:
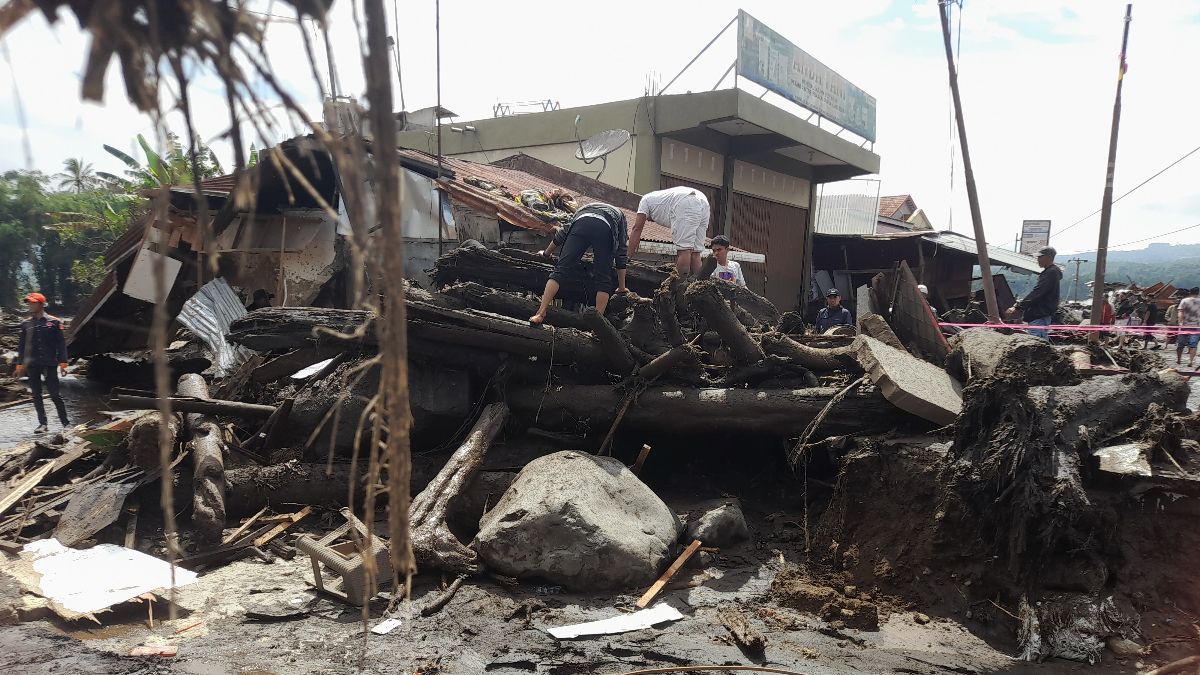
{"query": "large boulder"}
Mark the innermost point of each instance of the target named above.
(581, 521)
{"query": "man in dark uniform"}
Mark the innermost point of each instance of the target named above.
(833, 314)
(1039, 305)
(42, 352)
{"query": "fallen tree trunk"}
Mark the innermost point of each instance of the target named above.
(664, 307)
(778, 412)
(294, 327)
(434, 545)
(705, 298)
(282, 486)
(666, 362)
(517, 270)
(980, 353)
(642, 331)
(511, 305)
(758, 307)
(812, 358)
(144, 440)
(208, 460)
(192, 404)
(611, 343)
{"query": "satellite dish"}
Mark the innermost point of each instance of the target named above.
(599, 146)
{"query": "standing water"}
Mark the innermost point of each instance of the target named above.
(84, 399)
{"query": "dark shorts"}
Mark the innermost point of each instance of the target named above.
(588, 232)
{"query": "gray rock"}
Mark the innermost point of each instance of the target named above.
(721, 525)
(580, 521)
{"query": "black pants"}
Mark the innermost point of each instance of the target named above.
(588, 233)
(36, 373)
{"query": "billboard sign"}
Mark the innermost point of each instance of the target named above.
(1034, 235)
(770, 60)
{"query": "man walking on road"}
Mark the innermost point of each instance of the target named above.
(42, 353)
(1189, 325)
(683, 209)
(1039, 305)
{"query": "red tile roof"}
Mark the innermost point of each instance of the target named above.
(889, 205)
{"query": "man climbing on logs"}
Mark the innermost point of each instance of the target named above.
(601, 228)
(42, 353)
(727, 270)
(833, 314)
(683, 209)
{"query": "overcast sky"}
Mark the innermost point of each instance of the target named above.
(1037, 77)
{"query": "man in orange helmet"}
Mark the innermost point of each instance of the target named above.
(42, 353)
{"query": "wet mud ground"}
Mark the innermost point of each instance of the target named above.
(491, 627)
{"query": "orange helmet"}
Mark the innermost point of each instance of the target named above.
(36, 297)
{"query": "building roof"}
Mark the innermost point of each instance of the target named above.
(891, 204)
(546, 178)
(954, 241)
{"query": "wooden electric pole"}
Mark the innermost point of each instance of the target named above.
(985, 263)
(1106, 205)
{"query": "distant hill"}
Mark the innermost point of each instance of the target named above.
(1177, 264)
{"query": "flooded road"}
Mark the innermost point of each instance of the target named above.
(84, 398)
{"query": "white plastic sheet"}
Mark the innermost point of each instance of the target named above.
(660, 613)
(97, 578)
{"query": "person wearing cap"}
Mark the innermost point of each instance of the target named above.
(833, 314)
(925, 294)
(1038, 306)
(727, 270)
(42, 353)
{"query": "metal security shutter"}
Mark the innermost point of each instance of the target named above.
(778, 231)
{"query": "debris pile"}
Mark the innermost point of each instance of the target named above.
(988, 469)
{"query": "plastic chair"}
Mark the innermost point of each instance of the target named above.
(345, 559)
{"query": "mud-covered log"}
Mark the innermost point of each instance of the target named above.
(293, 327)
(685, 410)
(770, 367)
(666, 362)
(664, 307)
(516, 270)
(434, 545)
(980, 353)
(511, 305)
(705, 298)
(754, 304)
(611, 343)
(187, 404)
(208, 461)
(643, 332)
(283, 486)
(144, 439)
(812, 358)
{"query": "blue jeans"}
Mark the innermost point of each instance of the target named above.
(1040, 332)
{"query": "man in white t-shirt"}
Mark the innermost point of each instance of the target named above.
(727, 270)
(683, 209)
(1189, 323)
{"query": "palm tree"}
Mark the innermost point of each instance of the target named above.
(76, 176)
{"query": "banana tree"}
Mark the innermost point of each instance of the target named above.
(175, 168)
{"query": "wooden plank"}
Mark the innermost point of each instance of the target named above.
(279, 529)
(131, 523)
(31, 481)
(666, 576)
(245, 526)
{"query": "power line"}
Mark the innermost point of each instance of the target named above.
(1164, 234)
(1160, 172)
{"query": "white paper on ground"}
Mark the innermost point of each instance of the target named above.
(93, 579)
(386, 626)
(660, 613)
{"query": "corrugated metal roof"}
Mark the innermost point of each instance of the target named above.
(208, 314)
(1016, 261)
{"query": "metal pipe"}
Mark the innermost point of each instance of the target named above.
(701, 53)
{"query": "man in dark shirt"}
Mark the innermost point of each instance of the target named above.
(598, 227)
(1039, 305)
(833, 314)
(41, 350)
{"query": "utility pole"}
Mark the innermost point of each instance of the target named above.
(1075, 285)
(1106, 205)
(985, 263)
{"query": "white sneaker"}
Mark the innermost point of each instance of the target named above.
(42, 428)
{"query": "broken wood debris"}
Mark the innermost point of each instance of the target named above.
(666, 576)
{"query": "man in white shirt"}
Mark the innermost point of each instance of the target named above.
(683, 209)
(1189, 324)
(727, 270)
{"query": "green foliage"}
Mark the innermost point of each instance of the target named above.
(77, 176)
(172, 168)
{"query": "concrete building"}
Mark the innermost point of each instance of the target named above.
(757, 163)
